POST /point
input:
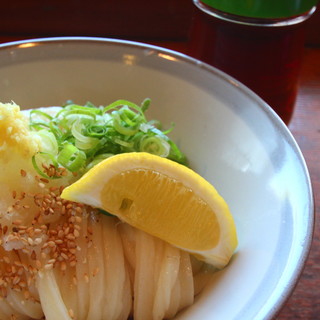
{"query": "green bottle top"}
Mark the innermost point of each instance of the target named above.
(273, 9)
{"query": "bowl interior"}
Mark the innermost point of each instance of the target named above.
(229, 134)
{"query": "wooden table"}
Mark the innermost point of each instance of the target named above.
(304, 302)
(305, 126)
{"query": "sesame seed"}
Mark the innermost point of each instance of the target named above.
(95, 272)
(63, 266)
(16, 280)
(37, 231)
(26, 294)
(43, 255)
(18, 263)
(72, 220)
(71, 313)
(78, 209)
(64, 256)
(73, 263)
(22, 195)
(60, 234)
(48, 266)
(37, 241)
(70, 236)
(33, 255)
(51, 244)
(23, 173)
(6, 259)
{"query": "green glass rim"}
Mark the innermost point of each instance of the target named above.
(271, 9)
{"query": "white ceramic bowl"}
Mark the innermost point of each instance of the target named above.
(230, 135)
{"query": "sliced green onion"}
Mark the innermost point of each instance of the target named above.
(82, 142)
(123, 143)
(155, 145)
(78, 137)
(175, 154)
(36, 167)
(118, 103)
(120, 127)
(72, 158)
(106, 213)
(49, 141)
(96, 130)
(145, 104)
(40, 113)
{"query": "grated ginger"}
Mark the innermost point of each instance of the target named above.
(15, 135)
(17, 175)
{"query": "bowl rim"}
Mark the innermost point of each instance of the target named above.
(283, 294)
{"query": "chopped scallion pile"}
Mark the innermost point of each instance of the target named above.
(80, 136)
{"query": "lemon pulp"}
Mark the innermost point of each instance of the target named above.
(149, 204)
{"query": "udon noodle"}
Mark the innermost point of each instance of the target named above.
(64, 260)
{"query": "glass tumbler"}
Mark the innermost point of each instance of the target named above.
(258, 42)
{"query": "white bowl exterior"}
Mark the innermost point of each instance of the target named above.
(231, 137)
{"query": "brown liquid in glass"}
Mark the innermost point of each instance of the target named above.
(266, 59)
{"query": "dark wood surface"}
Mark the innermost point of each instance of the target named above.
(145, 20)
(305, 126)
(167, 25)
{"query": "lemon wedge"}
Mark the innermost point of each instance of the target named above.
(164, 199)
